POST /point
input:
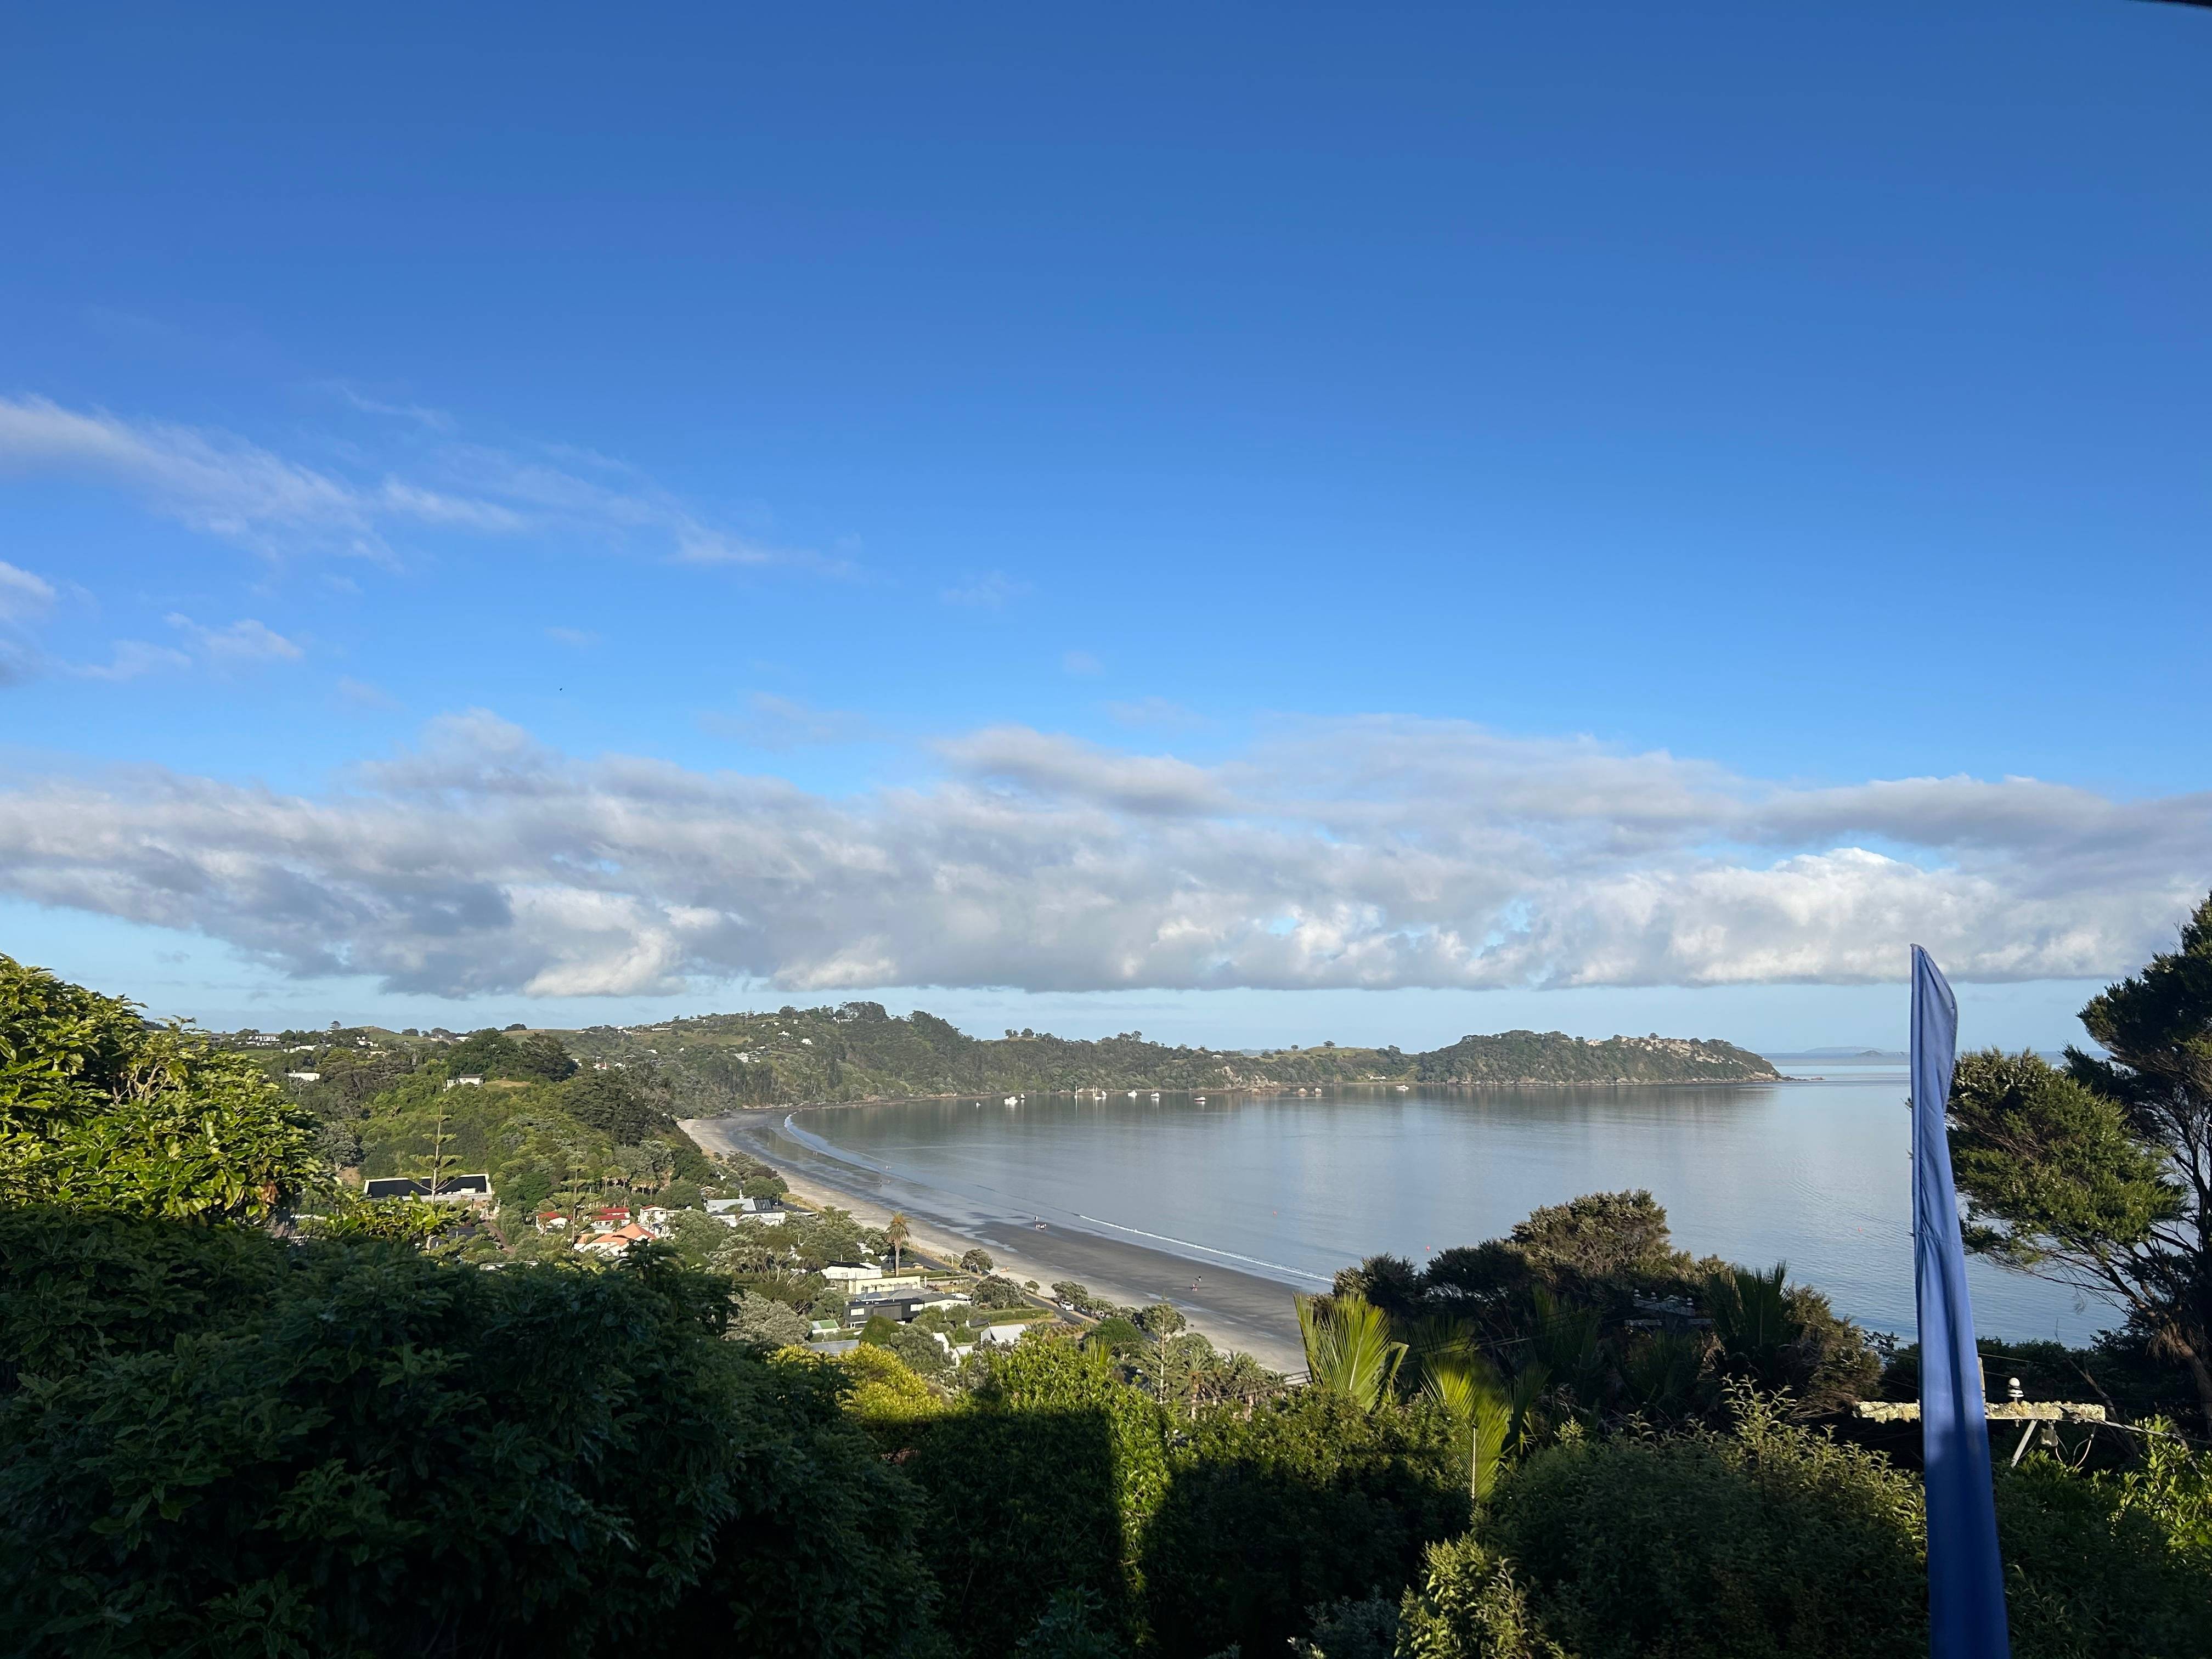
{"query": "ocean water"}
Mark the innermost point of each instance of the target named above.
(1812, 1171)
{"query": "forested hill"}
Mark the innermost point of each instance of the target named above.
(858, 1052)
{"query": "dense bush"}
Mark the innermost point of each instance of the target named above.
(1769, 1541)
(534, 1057)
(1467, 1605)
(360, 1450)
(1564, 1302)
(74, 1291)
(1041, 1482)
(98, 1112)
(2109, 1567)
(1303, 1503)
(1773, 1539)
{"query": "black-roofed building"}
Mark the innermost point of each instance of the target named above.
(454, 1189)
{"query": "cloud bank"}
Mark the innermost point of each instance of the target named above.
(1375, 852)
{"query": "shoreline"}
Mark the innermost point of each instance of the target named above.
(1236, 1311)
(1285, 1090)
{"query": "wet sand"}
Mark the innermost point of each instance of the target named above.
(1237, 1311)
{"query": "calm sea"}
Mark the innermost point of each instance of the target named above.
(1812, 1171)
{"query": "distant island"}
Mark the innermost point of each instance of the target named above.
(856, 1052)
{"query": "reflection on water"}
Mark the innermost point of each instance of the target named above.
(1811, 1172)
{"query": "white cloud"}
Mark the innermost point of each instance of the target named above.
(211, 481)
(1374, 853)
(22, 595)
(243, 642)
(132, 660)
(437, 420)
(223, 485)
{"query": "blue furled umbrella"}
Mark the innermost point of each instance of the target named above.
(1966, 1576)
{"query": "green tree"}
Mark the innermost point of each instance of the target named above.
(1161, 1319)
(1597, 1235)
(610, 1102)
(765, 1323)
(917, 1350)
(382, 1454)
(993, 1291)
(977, 1260)
(1349, 1350)
(97, 1112)
(1116, 1336)
(897, 1231)
(1489, 1412)
(2099, 1177)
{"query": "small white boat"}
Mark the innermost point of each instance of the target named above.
(1156, 1094)
(1013, 1100)
(1133, 1094)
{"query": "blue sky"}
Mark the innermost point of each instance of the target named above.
(1281, 522)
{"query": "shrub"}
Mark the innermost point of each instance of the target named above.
(879, 1391)
(1769, 1541)
(385, 1455)
(1467, 1606)
(2094, 1571)
(1308, 1502)
(73, 1291)
(1039, 1482)
(1353, 1630)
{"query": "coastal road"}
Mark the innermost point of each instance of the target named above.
(1239, 1311)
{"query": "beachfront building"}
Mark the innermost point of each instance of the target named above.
(731, 1210)
(900, 1305)
(865, 1278)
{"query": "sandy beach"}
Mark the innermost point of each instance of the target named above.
(1237, 1311)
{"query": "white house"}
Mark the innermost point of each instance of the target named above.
(305, 1077)
(1003, 1336)
(731, 1211)
(468, 1082)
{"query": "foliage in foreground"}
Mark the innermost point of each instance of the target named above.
(347, 1447)
(99, 1112)
(1772, 1539)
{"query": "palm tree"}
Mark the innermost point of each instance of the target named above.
(1348, 1347)
(1753, 1321)
(1493, 1414)
(896, 1232)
